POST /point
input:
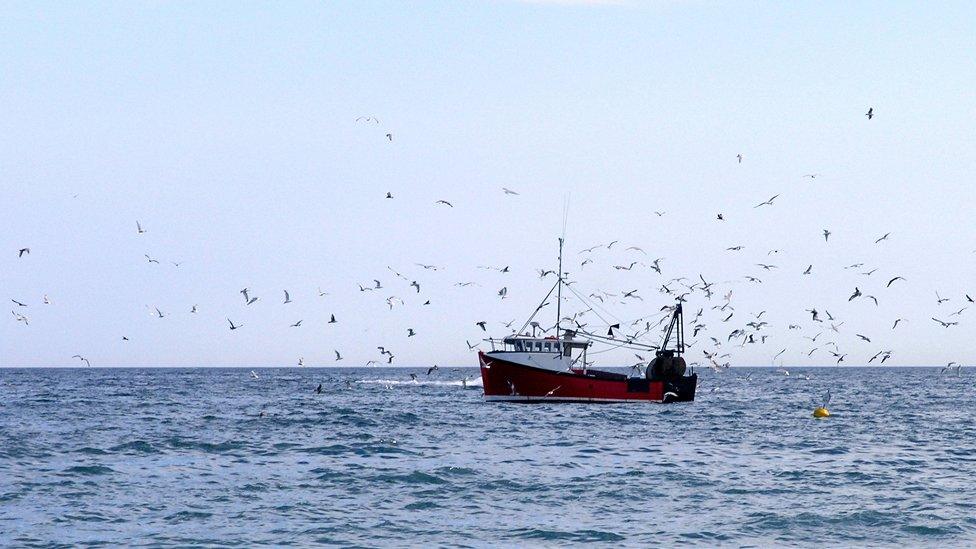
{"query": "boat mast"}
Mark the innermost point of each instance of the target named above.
(559, 291)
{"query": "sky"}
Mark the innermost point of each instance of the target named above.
(230, 133)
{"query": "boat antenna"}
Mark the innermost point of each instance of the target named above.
(559, 273)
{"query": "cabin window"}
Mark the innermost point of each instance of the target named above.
(546, 347)
(538, 346)
(518, 345)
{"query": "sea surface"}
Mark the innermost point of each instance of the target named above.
(215, 457)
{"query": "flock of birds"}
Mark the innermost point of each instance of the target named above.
(717, 327)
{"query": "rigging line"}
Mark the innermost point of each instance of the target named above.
(537, 309)
(622, 343)
(662, 314)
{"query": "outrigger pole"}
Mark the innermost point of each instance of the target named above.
(678, 327)
(559, 292)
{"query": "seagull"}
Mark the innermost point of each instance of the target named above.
(857, 293)
(19, 304)
(83, 359)
(159, 313)
(301, 361)
(139, 228)
(826, 235)
(287, 297)
(766, 203)
(503, 292)
(945, 324)
(897, 320)
(445, 202)
(389, 136)
(410, 332)
(372, 119)
(720, 217)
(940, 299)
(948, 367)
(318, 390)
(297, 324)
(659, 214)
(416, 285)
(509, 191)
(890, 282)
(389, 195)
(338, 356)
(809, 268)
(885, 237)
(253, 300)
(870, 113)
(151, 260)
(812, 175)
(254, 374)
(432, 369)
(739, 157)
(482, 324)
(22, 251)
(332, 319)
(47, 301)
(784, 371)
(470, 346)
(21, 318)
(321, 293)
(246, 298)
(959, 312)
(233, 326)
(865, 338)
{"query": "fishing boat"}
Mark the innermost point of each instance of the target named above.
(525, 368)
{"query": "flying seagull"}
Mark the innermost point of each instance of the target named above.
(509, 191)
(885, 237)
(83, 359)
(432, 369)
(151, 260)
(22, 251)
(890, 282)
(287, 297)
(233, 326)
(826, 235)
(870, 113)
(338, 356)
(332, 319)
(445, 202)
(766, 203)
(139, 228)
(297, 324)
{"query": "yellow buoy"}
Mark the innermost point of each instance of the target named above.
(820, 411)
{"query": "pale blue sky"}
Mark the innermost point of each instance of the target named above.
(229, 131)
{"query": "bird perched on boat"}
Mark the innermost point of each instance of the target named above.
(870, 113)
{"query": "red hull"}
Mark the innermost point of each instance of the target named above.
(509, 381)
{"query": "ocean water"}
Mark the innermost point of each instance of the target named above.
(184, 457)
